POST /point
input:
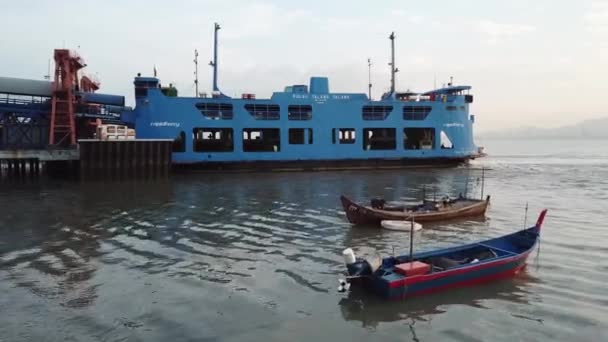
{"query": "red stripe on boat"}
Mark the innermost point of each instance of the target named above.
(460, 270)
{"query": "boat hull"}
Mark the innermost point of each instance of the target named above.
(430, 284)
(359, 214)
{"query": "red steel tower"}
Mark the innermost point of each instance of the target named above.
(62, 123)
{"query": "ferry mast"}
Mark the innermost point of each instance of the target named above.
(392, 63)
(213, 63)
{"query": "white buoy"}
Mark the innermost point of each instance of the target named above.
(349, 256)
(405, 226)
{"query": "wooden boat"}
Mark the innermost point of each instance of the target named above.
(427, 272)
(428, 211)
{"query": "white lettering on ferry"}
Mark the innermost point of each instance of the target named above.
(323, 97)
(453, 124)
(164, 124)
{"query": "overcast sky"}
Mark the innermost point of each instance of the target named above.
(542, 62)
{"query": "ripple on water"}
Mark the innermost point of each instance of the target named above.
(268, 250)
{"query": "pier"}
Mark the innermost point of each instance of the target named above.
(125, 159)
(63, 127)
(93, 159)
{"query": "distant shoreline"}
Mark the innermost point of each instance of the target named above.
(538, 138)
(594, 129)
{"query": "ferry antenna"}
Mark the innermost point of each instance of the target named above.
(369, 78)
(196, 72)
(392, 63)
(213, 63)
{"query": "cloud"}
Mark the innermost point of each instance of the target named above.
(496, 31)
(409, 17)
(596, 18)
(263, 20)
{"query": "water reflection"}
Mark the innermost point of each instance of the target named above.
(60, 237)
(433, 235)
(372, 310)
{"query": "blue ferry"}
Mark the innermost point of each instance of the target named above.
(307, 126)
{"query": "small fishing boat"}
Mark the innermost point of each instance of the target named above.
(426, 272)
(428, 211)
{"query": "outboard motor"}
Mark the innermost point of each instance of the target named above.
(378, 203)
(349, 256)
(356, 267)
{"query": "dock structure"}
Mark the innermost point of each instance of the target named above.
(125, 159)
(47, 126)
(93, 159)
(27, 163)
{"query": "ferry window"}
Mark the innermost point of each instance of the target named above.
(141, 92)
(297, 112)
(299, 136)
(418, 138)
(344, 136)
(450, 108)
(376, 112)
(213, 140)
(264, 111)
(215, 111)
(379, 139)
(261, 140)
(179, 143)
(416, 112)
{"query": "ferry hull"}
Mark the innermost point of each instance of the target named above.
(321, 165)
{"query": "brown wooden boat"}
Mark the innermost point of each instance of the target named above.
(428, 211)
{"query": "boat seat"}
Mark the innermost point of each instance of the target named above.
(444, 263)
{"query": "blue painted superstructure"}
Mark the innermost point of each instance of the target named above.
(307, 124)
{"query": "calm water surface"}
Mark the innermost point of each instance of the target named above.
(256, 257)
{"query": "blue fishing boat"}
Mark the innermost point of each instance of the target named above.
(398, 277)
(307, 126)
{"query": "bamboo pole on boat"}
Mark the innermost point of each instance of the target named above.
(482, 180)
(526, 216)
(466, 184)
(412, 240)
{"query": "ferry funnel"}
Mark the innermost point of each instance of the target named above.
(319, 85)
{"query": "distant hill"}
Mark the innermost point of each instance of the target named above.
(588, 129)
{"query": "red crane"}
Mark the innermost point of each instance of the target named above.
(62, 124)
